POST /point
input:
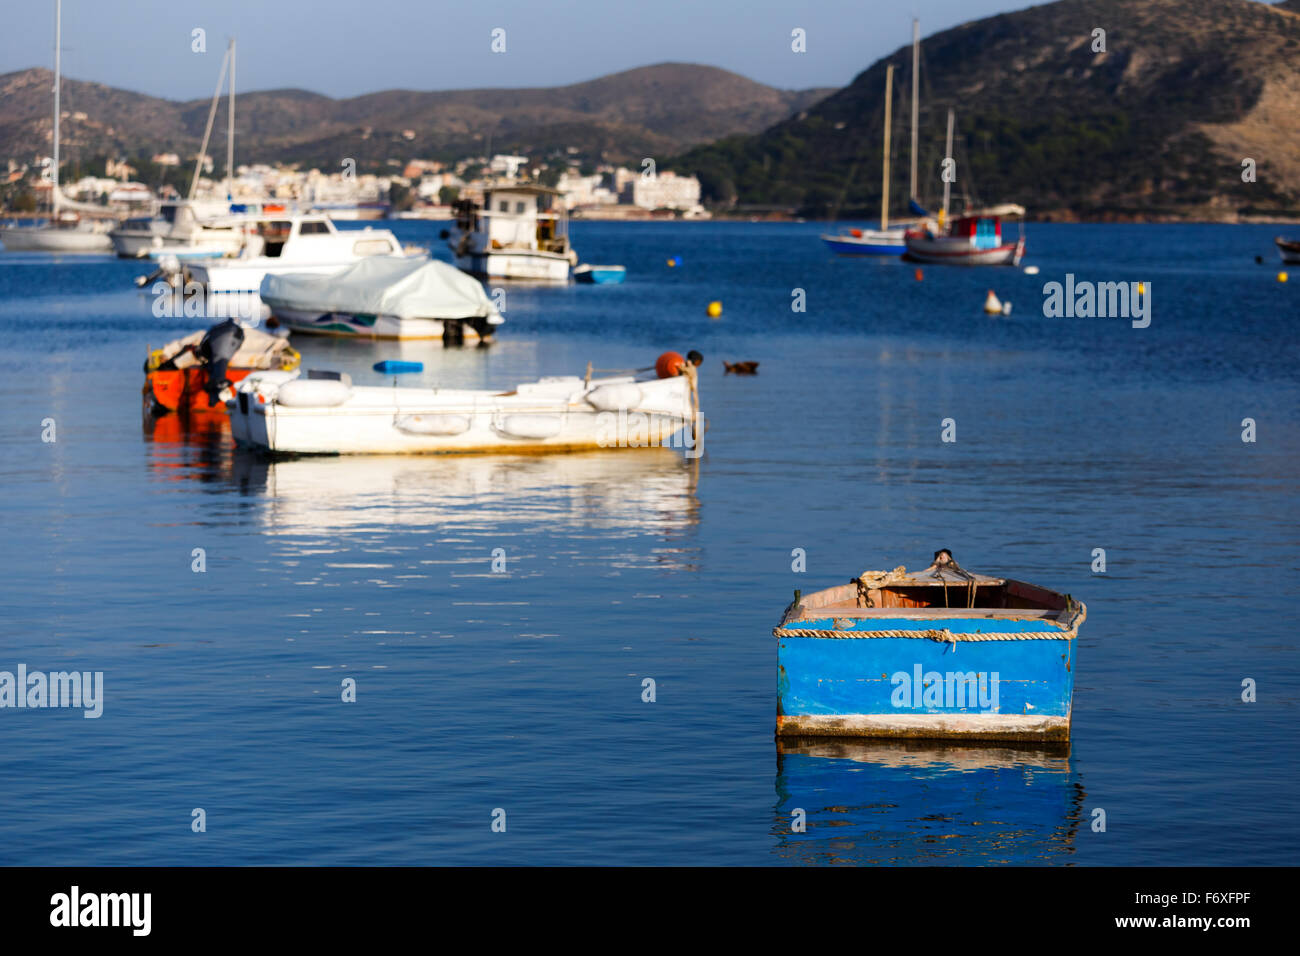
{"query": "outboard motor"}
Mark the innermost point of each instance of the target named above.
(217, 347)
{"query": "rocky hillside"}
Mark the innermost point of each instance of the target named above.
(1156, 126)
(651, 111)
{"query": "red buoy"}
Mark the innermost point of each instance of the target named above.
(669, 364)
(919, 275)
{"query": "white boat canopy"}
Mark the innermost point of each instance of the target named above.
(408, 288)
(1006, 211)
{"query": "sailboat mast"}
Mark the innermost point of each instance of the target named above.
(207, 130)
(58, 73)
(916, 64)
(889, 102)
(947, 186)
(230, 129)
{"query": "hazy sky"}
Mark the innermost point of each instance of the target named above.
(347, 47)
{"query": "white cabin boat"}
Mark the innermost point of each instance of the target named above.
(519, 232)
(281, 244)
(324, 414)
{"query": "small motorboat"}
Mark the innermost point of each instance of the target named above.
(599, 275)
(937, 653)
(323, 413)
(189, 374)
(385, 298)
(1289, 250)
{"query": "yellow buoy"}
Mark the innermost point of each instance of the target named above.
(1281, 277)
(1142, 288)
(715, 309)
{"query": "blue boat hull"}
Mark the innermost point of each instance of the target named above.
(939, 683)
(848, 247)
(597, 276)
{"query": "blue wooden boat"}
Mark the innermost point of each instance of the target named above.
(600, 275)
(932, 654)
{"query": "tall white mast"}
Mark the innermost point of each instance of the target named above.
(207, 130)
(947, 186)
(230, 130)
(916, 63)
(889, 102)
(58, 72)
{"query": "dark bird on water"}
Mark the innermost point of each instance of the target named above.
(741, 368)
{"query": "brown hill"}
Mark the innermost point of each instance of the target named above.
(1157, 125)
(650, 111)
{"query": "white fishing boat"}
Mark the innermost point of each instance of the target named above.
(64, 231)
(385, 298)
(282, 244)
(325, 414)
(519, 232)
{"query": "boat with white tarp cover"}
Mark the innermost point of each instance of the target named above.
(384, 298)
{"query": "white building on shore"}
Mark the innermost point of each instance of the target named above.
(664, 190)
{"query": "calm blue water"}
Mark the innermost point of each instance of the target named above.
(479, 690)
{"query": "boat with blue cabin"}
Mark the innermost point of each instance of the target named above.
(932, 654)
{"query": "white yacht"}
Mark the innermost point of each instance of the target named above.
(183, 228)
(519, 232)
(280, 244)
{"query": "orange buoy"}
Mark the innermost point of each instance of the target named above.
(669, 364)
(919, 275)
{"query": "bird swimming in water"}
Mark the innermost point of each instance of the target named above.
(740, 368)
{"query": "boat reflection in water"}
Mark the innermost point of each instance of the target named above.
(647, 490)
(922, 802)
(628, 493)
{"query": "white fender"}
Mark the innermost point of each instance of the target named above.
(613, 398)
(529, 426)
(313, 393)
(432, 424)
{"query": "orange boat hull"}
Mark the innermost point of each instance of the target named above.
(185, 389)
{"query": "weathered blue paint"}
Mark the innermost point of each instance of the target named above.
(861, 676)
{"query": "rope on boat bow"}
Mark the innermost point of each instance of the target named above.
(943, 561)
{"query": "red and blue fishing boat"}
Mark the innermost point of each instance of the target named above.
(972, 239)
(941, 653)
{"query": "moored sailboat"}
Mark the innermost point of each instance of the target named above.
(885, 241)
(64, 231)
